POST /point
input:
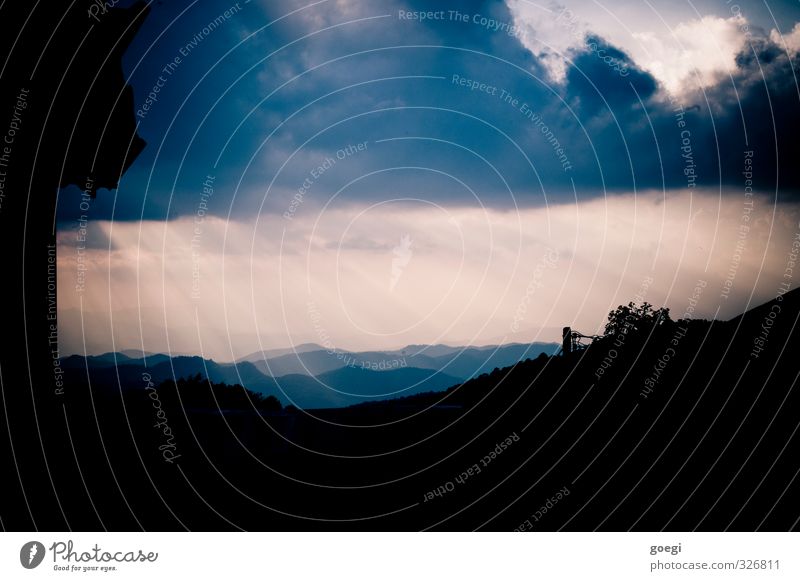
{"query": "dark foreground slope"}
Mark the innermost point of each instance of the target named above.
(67, 118)
(687, 427)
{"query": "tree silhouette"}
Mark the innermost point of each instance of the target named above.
(631, 318)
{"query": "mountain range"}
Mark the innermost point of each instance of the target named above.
(312, 377)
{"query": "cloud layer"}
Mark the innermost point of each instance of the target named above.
(404, 273)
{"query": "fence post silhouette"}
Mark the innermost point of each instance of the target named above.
(566, 341)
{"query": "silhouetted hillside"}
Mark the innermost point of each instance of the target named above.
(660, 424)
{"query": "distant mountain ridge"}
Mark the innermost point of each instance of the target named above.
(270, 353)
(313, 378)
(463, 362)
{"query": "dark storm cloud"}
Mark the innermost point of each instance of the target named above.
(702, 142)
(761, 112)
(462, 99)
(604, 78)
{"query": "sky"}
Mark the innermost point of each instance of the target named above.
(374, 174)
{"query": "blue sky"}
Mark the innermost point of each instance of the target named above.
(507, 108)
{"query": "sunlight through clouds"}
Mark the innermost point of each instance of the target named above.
(467, 274)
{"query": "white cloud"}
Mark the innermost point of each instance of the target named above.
(683, 56)
(789, 41)
(552, 33)
(697, 53)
